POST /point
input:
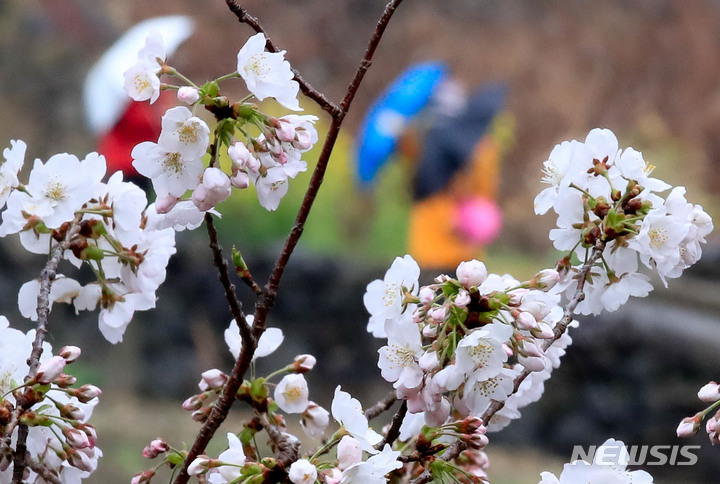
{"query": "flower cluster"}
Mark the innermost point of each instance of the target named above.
(102, 224)
(458, 344)
(268, 158)
(605, 195)
(709, 393)
(59, 438)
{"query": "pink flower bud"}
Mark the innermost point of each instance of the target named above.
(72, 412)
(426, 295)
(462, 299)
(77, 439)
(710, 392)
(87, 392)
(471, 273)
(195, 402)
(240, 180)
(65, 381)
(212, 380)
(526, 321)
(349, 452)
(333, 476)
(82, 459)
(165, 204)
(200, 465)
(188, 95)
(430, 331)
(50, 370)
(542, 331)
(215, 188)
(70, 353)
(241, 156)
(303, 363)
(303, 140)
(428, 361)
(439, 313)
(155, 448)
(516, 296)
(201, 415)
(546, 279)
(285, 131)
(689, 426)
(508, 351)
(143, 477)
(712, 427)
(532, 363)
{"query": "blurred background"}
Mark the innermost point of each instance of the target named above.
(649, 70)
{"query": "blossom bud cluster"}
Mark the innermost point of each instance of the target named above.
(175, 162)
(709, 393)
(102, 223)
(59, 437)
(605, 195)
(456, 345)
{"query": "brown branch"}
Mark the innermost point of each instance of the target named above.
(560, 327)
(266, 302)
(224, 277)
(287, 445)
(266, 299)
(322, 101)
(381, 406)
(394, 431)
(47, 276)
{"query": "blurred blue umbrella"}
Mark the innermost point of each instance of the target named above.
(451, 140)
(387, 117)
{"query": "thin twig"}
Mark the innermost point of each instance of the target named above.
(224, 277)
(394, 431)
(47, 276)
(287, 445)
(322, 101)
(381, 406)
(266, 299)
(266, 302)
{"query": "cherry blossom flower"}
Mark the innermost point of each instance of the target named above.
(142, 83)
(270, 340)
(171, 172)
(608, 466)
(315, 420)
(374, 470)
(302, 472)
(267, 74)
(9, 169)
(383, 299)
(214, 188)
(480, 353)
(184, 133)
(291, 393)
(188, 95)
(348, 412)
(43, 443)
(398, 361)
(471, 273)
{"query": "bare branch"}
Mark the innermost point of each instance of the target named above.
(394, 431)
(266, 299)
(47, 276)
(287, 445)
(381, 406)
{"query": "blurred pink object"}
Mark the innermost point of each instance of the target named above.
(479, 220)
